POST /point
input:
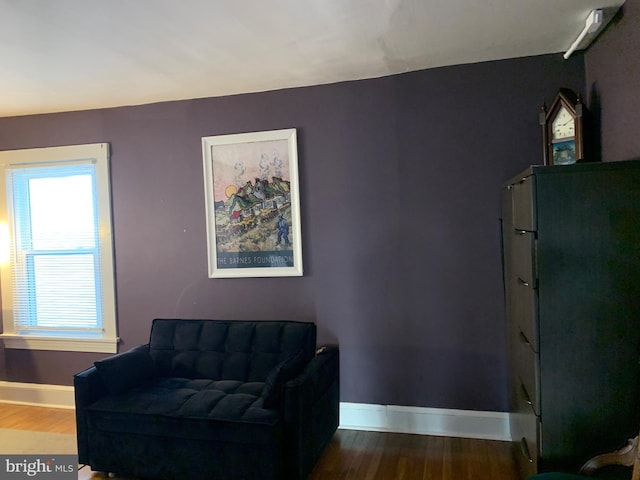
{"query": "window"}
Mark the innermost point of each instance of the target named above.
(57, 274)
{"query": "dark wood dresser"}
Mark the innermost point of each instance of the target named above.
(571, 253)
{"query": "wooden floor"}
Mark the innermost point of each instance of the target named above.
(385, 456)
(351, 454)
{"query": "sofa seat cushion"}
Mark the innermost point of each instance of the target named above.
(202, 409)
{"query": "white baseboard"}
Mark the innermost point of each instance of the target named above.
(58, 396)
(425, 421)
(353, 416)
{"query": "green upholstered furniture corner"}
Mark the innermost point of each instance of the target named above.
(621, 464)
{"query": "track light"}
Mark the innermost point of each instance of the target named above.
(591, 27)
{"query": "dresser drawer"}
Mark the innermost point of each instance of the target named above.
(523, 257)
(523, 212)
(525, 428)
(527, 370)
(524, 301)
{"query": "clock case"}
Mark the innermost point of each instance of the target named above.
(573, 103)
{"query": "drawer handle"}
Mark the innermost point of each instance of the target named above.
(523, 282)
(525, 450)
(527, 398)
(524, 339)
(521, 232)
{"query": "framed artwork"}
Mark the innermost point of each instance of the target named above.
(252, 204)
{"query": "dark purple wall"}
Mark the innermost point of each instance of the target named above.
(613, 85)
(400, 180)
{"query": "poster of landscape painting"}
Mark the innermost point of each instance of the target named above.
(252, 204)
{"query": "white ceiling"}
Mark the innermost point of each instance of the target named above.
(61, 55)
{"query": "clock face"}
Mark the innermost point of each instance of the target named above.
(563, 126)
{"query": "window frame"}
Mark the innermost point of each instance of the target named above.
(98, 154)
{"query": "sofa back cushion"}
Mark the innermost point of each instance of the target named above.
(227, 349)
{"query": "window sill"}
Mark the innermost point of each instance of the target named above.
(24, 342)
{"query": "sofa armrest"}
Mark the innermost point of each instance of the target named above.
(88, 387)
(105, 377)
(311, 411)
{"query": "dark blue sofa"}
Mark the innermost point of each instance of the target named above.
(211, 399)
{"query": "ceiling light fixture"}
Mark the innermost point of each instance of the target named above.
(596, 21)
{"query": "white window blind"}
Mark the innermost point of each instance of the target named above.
(56, 257)
(61, 265)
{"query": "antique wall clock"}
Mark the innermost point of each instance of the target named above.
(563, 129)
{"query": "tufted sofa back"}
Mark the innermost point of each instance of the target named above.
(227, 349)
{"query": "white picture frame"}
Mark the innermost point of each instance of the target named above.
(252, 204)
